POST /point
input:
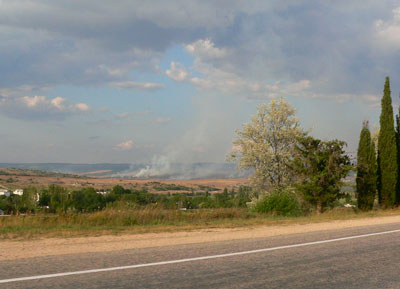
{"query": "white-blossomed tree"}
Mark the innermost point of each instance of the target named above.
(266, 145)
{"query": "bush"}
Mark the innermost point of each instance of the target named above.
(279, 203)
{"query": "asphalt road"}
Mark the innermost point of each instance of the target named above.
(365, 262)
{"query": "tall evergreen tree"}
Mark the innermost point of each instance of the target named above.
(387, 151)
(366, 170)
(379, 177)
(321, 165)
(398, 157)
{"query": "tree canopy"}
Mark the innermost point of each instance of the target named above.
(387, 151)
(322, 165)
(266, 145)
(366, 170)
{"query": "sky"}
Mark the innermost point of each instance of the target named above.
(147, 81)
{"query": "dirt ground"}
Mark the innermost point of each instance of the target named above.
(10, 250)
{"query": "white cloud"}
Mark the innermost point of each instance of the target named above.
(82, 107)
(35, 101)
(126, 145)
(388, 32)
(205, 49)
(217, 74)
(177, 72)
(40, 107)
(137, 85)
(58, 102)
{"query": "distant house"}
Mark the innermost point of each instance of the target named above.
(5, 193)
(1, 212)
(18, 192)
(102, 193)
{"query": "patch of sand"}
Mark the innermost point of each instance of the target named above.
(10, 250)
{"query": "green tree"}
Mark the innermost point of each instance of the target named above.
(366, 170)
(387, 151)
(243, 196)
(118, 190)
(222, 199)
(29, 199)
(16, 204)
(5, 204)
(266, 144)
(321, 165)
(397, 132)
(379, 178)
(59, 200)
(87, 200)
(44, 198)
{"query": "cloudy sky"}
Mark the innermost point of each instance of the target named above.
(133, 81)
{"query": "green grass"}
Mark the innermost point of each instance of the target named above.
(113, 221)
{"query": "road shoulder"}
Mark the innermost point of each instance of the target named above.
(11, 250)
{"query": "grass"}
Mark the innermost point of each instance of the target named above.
(113, 221)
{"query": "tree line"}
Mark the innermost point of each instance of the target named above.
(291, 169)
(378, 159)
(57, 199)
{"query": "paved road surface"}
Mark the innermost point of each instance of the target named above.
(366, 262)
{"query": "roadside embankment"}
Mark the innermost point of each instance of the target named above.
(16, 249)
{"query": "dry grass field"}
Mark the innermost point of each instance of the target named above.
(14, 178)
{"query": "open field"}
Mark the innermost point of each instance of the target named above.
(15, 178)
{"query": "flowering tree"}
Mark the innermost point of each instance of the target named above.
(266, 145)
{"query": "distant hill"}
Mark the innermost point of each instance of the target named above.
(134, 171)
(66, 167)
(33, 173)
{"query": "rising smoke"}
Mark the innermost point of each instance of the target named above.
(201, 150)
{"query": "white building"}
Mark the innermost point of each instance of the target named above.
(18, 192)
(5, 193)
(102, 193)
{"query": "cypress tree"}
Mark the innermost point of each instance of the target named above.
(366, 170)
(387, 151)
(373, 170)
(398, 157)
(379, 177)
(374, 166)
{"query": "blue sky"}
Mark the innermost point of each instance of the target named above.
(138, 81)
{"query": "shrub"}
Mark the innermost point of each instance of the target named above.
(279, 203)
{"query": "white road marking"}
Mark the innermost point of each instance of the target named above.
(194, 259)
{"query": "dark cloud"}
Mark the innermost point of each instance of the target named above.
(52, 43)
(332, 44)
